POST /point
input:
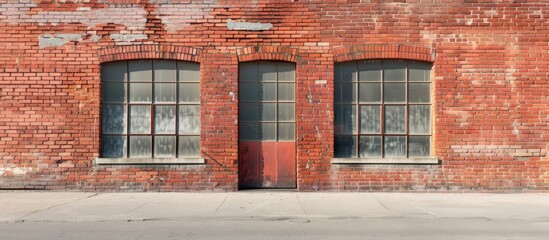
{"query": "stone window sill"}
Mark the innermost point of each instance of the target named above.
(152, 161)
(420, 160)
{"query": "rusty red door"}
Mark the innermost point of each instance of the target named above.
(267, 150)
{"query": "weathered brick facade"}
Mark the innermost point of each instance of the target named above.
(490, 67)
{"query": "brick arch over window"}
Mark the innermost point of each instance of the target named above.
(271, 53)
(134, 52)
(403, 52)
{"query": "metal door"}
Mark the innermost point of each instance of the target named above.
(267, 151)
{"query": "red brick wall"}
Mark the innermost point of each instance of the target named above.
(490, 61)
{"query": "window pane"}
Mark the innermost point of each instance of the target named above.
(345, 72)
(140, 92)
(267, 71)
(114, 119)
(140, 119)
(370, 119)
(248, 112)
(419, 118)
(344, 146)
(345, 92)
(189, 119)
(286, 112)
(267, 131)
(395, 118)
(370, 146)
(114, 72)
(140, 146)
(164, 146)
(189, 72)
(370, 92)
(369, 71)
(248, 92)
(267, 91)
(394, 71)
(286, 72)
(345, 119)
(419, 146)
(394, 92)
(286, 92)
(164, 92)
(395, 146)
(268, 111)
(189, 92)
(113, 146)
(286, 131)
(419, 93)
(140, 70)
(248, 132)
(114, 92)
(164, 120)
(164, 71)
(247, 72)
(418, 71)
(189, 146)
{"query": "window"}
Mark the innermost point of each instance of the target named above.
(150, 109)
(382, 109)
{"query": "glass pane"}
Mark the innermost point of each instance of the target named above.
(114, 72)
(164, 92)
(248, 92)
(419, 92)
(369, 71)
(286, 112)
(248, 132)
(286, 72)
(140, 92)
(286, 131)
(164, 120)
(370, 119)
(114, 119)
(394, 71)
(164, 146)
(268, 111)
(248, 112)
(164, 71)
(344, 146)
(267, 131)
(370, 92)
(370, 146)
(140, 119)
(140, 70)
(113, 146)
(345, 92)
(189, 146)
(345, 72)
(189, 119)
(395, 118)
(418, 71)
(394, 92)
(395, 146)
(419, 146)
(247, 72)
(267, 71)
(419, 118)
(345, 119)
(189, 92)
(267, 91)
(286, 92)
(140, 146)
(189, 72)
(114, 92)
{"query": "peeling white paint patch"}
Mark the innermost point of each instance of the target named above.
(95, 38)
(248, 26)
(127, 38)
(321, 82)
(15, 170)
(180, 16)
(57, 40)
(515, 127)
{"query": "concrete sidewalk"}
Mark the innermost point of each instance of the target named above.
(59, 215)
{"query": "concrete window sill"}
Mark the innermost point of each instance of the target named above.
(421, 160)
(152, 161)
